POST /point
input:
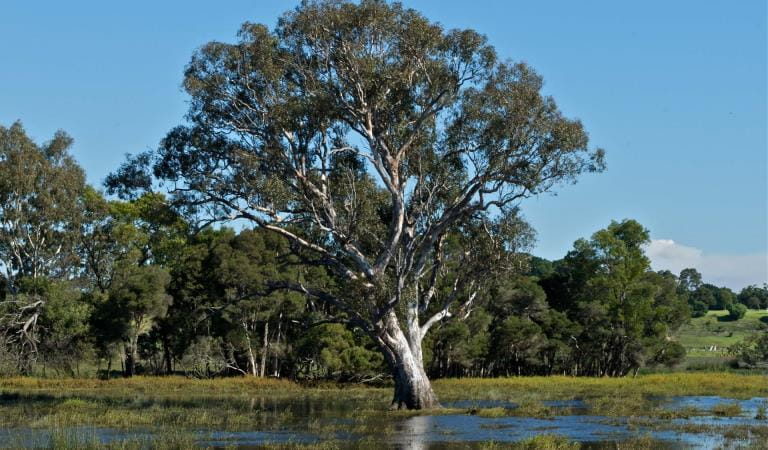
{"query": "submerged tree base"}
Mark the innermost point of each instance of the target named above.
(413, 390)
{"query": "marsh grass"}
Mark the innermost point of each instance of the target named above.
(683, 413)
(534, 409)
(65, 438)
(631, 404)
(174, 409)
(727, 409)
(491, 412)
(761, 413)
(639, 443)
(561, 387)
(547, 442)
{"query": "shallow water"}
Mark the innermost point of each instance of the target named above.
(572, 420)
(469, 404)
(707, 402)
(452, 428)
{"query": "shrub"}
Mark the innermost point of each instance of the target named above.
(736, 311)
(752, 351)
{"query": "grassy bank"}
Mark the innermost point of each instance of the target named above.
(711, 335)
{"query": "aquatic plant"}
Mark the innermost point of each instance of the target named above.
(727, 409)
(761, 413)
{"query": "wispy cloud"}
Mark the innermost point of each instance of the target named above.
(732, 270)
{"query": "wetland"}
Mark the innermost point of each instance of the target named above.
(702, 410)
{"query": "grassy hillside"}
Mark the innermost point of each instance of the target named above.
(710, 336)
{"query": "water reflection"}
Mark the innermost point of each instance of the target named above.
(414, 432)
(420, 432)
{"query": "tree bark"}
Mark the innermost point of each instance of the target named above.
(167, 356)
(413, 389)
(131, 355)
(252, 366)
(277, 344)
(264, 351)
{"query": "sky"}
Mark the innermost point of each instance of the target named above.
(675, 92)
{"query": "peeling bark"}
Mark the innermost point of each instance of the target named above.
(413, 389)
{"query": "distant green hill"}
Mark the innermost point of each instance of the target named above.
(710, 336)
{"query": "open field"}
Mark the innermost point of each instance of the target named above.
(182, 412)
(711, 335)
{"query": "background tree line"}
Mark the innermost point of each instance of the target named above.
(91, 281)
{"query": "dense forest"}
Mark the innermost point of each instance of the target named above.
(131, 285)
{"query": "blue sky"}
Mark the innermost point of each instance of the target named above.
(674, 91)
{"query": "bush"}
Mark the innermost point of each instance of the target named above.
(204, 358)
(736, 311)
(752, 351)
(669, 354)
(699, 309)
(334, 351)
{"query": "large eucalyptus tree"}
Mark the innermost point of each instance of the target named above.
(382, 146)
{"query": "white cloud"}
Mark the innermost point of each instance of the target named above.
(734, 271)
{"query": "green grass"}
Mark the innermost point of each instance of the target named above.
(701, 333)
(519, 389)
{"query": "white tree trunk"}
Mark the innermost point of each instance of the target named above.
(264, 351)
(252, 366)
(412, 387)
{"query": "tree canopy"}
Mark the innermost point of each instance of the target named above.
(40, 190)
